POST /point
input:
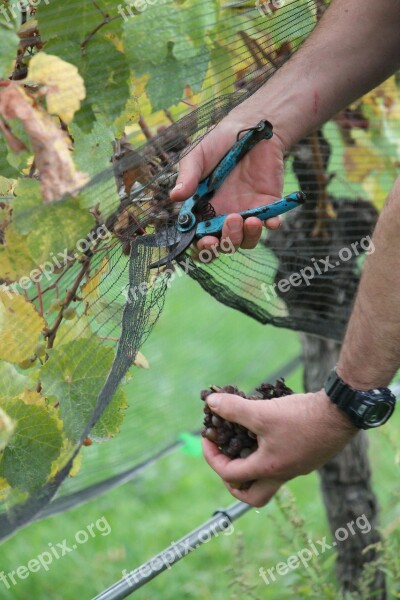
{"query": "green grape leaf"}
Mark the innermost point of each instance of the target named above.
(75, 374)
(178, 55)
(66, 47)
(110, 421)
(92, 155)
(12, 382)
(282, 20)
(107, 81)
(35, 444)
(56, 19)
(9, 42)
(52, 228)
(165, 87)
(6, 169)
(221, 61)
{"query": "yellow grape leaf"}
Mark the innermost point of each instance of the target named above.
(67, 450)
(58, 175)
(7, 427)
(375, 191)
(141, 361)
(20, 327)
(359, 161)
(76, 465)
(7, 186)
(384, 99)
(32, 397)
(64, 87)
(15, 258)
(73, 330)
(90, 290)
(128, 117)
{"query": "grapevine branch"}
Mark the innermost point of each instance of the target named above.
(324, 209)
(148, 135)
(106, 20)
(257, 51)
(52, 332)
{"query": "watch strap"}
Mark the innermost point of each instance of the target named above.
(338, 391)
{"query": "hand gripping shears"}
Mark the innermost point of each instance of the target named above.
(192, 222)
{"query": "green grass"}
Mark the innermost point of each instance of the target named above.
(197, 342)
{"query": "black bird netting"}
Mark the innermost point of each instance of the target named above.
(118, 298)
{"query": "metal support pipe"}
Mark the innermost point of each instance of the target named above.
(135, 579)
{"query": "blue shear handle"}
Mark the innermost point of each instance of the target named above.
(263, 131)
(209, 185)
(214, 226)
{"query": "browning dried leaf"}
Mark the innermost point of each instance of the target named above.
(58, 175)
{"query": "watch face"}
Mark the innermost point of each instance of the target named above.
(378, 414)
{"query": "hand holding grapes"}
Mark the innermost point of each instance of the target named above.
(295, 435)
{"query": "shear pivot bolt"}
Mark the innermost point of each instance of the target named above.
(184, 220)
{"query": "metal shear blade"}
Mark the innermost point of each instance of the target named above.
(176, 242)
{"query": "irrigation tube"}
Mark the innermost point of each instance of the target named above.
(134, 580)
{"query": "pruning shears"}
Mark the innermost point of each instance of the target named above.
(191, 223)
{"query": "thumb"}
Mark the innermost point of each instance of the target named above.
(252, 414)
(191, 169)
(201, 160)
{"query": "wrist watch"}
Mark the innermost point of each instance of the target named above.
(365, 408)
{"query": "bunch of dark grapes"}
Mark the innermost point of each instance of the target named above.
(233, 439)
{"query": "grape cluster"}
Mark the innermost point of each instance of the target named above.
(233, 439)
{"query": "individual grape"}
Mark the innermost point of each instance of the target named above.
(27, 363)
(211, 434)
(245, 452)
(40, 349)
(69, 313)
(56, 305)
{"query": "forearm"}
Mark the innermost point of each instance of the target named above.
(370, 354)
(355, 47)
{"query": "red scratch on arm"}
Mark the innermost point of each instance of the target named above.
(316, 102)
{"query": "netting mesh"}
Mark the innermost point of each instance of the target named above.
(121, 298)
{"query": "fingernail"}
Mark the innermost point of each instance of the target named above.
(213, 401)
(178, 187)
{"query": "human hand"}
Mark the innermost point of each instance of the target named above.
(256, 180)
(296, 434)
